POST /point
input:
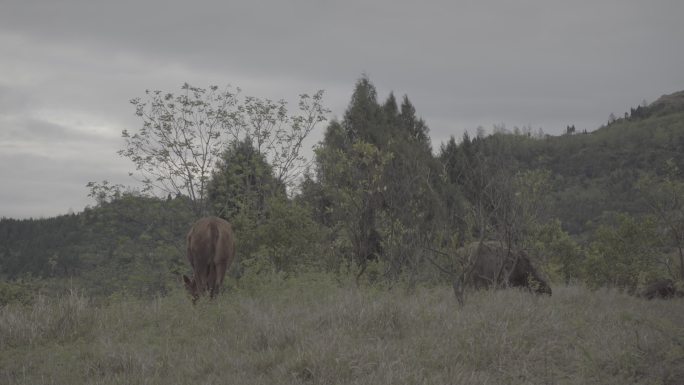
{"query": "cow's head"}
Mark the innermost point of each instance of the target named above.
(540, 286)
(191, 287)
(525, 275)
(536, 283)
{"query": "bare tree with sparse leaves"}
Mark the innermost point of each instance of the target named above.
(184, 134)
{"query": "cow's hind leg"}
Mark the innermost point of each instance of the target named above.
(211, 281)
(221, 268)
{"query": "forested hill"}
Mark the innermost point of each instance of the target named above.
(132, 244)
(598, 172)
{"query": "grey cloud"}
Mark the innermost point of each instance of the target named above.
(33, 129)
(12, 100)
(39, 185)
(27, 129)
(325, 38)
(463, 64)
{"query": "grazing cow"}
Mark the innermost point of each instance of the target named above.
(664, 288)
(490, 265)
(211, 250)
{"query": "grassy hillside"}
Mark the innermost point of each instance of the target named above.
(316, 331)
(596, 173)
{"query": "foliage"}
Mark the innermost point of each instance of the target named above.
(356, 193)
(503, 202)
(131, 244)
(277, 136)
(665, 199)
(183, 136)
(286, 237)
(242, 182)
(290, 237)
(376, 172)
(40, 247)
(623, 256)
(245, 190)
(558, 252)
(15, 292)
(180, 139)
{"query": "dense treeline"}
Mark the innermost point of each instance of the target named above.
(379, 202)
(129, 245)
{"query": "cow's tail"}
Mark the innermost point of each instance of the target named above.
(214, 233)
(214, 250)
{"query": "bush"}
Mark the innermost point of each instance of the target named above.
(15, 292)
(623, 256)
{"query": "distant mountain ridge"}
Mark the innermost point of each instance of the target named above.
(672, 102)
(666, 104)
(597, 173)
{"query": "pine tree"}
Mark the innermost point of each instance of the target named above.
(377, 167)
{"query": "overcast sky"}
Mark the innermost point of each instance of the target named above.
(69, 68)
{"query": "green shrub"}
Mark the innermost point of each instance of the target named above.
(14, 292)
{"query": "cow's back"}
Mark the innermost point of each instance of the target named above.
(664, 288)
(225, 242)
(486, 261)
(210, 251)
(491, 266)
(201, 242)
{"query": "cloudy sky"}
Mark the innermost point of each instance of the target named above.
(69, 68)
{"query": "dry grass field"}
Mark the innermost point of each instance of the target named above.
(315, 331)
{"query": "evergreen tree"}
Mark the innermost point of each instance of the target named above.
(242, 182)
(377, 168)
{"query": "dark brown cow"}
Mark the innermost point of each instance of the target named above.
(211, 250)
(490, 265)
(664, 288)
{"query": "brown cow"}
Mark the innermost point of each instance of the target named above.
(211, 250)
(664, 288)
(490, 265)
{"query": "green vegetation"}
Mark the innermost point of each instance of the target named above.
(316, 329)
(603, 209)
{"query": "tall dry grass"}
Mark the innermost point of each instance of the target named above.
(318, 332)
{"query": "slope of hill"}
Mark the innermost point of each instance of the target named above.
(131, 245)
(665, 105)
(597, 172)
